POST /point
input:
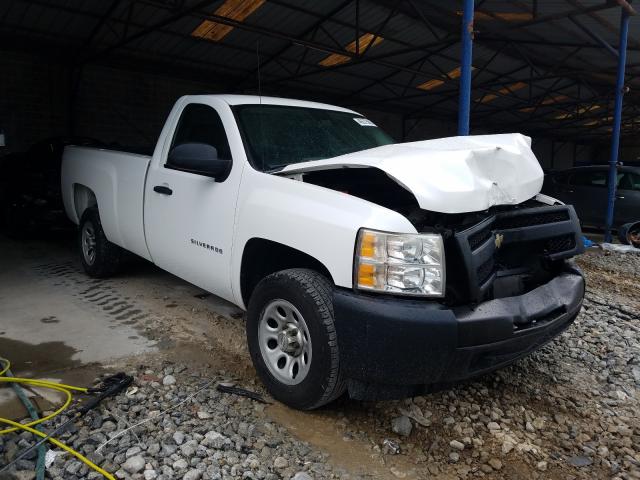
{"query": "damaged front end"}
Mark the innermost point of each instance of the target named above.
(510, 288)
(503, 251)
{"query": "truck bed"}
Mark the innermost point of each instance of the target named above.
(116, 181)
(144, 150)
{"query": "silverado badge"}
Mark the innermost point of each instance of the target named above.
(498, 240)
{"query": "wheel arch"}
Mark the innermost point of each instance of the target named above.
(83, 198)
(262, 257)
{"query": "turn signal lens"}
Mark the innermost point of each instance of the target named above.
(371, 246)
(409, 264)
(367, 245)
(366, 274)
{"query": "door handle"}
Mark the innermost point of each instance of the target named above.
(620, 197)
(162, 189)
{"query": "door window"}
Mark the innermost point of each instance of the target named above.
(628, 181)
(201, 124)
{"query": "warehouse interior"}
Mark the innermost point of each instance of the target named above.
(111, 70)
(179, 396)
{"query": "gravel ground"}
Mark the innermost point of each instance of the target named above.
(571, 410)
(207, 434)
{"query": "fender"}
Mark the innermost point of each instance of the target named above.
(317, 221)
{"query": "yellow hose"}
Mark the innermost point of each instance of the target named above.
(38, 383)
(7, 365)
(61, 445)
(43, 383)
(66, 389)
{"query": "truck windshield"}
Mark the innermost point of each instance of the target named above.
(279, 135)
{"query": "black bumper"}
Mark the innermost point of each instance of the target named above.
(394, 347)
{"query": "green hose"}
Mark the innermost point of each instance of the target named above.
(34, 415)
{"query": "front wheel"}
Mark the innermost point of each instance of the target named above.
(100, 258)
(292, 338)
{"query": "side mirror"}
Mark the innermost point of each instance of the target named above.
(199, 158)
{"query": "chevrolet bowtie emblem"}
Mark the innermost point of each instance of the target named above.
(499, 239)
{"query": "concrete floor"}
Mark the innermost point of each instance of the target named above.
(38, 311)
(58, 323)
(46, 328)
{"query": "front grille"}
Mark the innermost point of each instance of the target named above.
(485, 270)
(561, 243)
(477, 239)
(525, 240)
(530, 219)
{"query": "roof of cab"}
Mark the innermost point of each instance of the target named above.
(256, 99)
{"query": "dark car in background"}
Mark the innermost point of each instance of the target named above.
(586, 189)
(30, 197)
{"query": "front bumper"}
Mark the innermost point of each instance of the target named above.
(394, 347)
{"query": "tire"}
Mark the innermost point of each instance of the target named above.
(306, 328)
(101, 259)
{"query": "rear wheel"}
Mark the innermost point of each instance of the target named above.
(100, 258)
(292, 338)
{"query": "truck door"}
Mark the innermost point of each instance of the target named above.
(189, 217)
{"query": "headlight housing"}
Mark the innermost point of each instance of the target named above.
(406, 264)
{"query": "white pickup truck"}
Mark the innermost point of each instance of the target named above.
(364, 265)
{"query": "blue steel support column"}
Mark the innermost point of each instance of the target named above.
(617, 119)
(464, 103)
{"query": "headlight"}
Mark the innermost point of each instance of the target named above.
(409, 264)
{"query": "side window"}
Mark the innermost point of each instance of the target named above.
(201, 124)
(629, 181)
(597, 178)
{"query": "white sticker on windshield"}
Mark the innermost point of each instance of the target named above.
(365, 122)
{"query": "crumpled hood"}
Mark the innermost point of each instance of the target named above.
(451, 175)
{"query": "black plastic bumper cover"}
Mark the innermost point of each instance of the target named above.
(417, 345)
